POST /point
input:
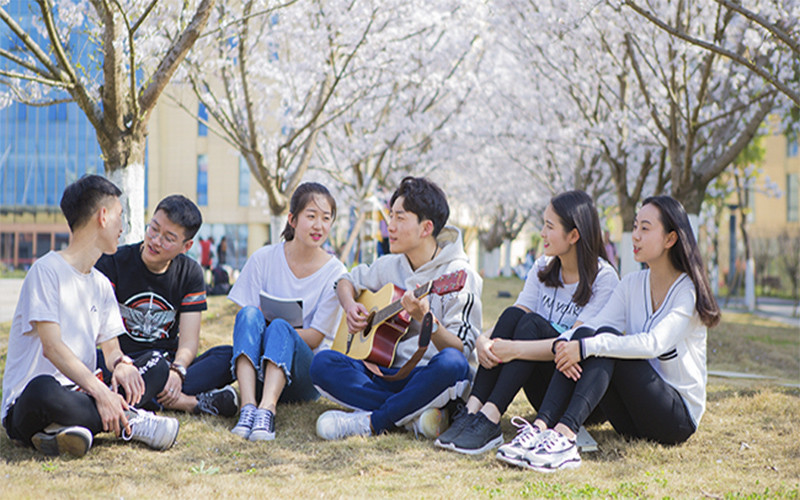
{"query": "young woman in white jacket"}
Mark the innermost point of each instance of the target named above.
(571, 282)
(641, 360)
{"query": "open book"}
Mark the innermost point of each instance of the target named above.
(290, 310)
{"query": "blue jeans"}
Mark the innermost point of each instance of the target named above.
(279, 343)
(348, 382)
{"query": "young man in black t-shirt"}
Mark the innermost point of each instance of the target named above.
(161, 293)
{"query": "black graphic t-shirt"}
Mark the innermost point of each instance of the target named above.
(151, 303)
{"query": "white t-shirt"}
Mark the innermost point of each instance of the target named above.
(268, 270)
(556, 304)
(672, 338)
(84, 307)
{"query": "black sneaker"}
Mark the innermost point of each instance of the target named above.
(461, 419)
(480, 436)
(223, 402)
(56, 440)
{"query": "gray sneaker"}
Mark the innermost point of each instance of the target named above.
(155, 431)
(223, 402)
(57, 439)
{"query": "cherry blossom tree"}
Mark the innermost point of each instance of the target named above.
(114, 60)
(769, 48)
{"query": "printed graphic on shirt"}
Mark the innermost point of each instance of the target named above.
(148, 317)
(562, 314)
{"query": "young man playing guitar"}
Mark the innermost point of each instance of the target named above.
(422, 249)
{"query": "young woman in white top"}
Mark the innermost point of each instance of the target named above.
(272, 359)
(570, 283)
(650, 381)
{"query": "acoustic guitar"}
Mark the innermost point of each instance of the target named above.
(387, 323)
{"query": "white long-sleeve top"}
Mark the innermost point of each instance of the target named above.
(672, 338)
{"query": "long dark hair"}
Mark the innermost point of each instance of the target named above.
(302, 196)
(685, 256)
(576, 210)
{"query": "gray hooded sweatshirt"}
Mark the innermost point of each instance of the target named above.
(458, 312)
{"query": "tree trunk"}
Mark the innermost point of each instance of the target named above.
(124, 165)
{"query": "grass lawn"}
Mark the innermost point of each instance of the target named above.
(748, 444)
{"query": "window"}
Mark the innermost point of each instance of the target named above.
(202, 180)
(792, 195)
(57, 112)
(244, 183)
(202, 114)
(791, 146)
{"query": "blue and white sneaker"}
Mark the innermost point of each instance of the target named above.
(244, 426)
(263, 426)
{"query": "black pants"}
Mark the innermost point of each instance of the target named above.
(45, 401)
(501, 384)
(634, 398)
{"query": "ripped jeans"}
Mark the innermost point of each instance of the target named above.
(279, 343)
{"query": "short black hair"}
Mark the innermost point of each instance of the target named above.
(425, 199)
(82, 198)
(183, 212)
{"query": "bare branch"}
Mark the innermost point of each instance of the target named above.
(791, 94)
(37, 79)
(175, 54)
(771, 27)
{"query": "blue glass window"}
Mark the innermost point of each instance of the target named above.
(202, 114)
(202, 180)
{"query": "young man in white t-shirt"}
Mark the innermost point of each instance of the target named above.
(52, 398)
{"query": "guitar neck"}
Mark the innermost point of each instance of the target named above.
(395, 307)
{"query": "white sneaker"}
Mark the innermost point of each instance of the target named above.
(56, 439)
(430, 423)
(335, 424)
(155, 431)
(528, 438)
(555, 452)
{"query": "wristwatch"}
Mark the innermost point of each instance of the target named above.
(179, 369)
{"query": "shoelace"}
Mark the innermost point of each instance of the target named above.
(262, 420)
(247, 416)
(550, 440)
(527, 434)
(142, 424)
(205, 403)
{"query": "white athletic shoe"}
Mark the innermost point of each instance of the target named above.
(430, 423)
(554, 453)
(335, 424)
(528, 438)
(155, 431)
